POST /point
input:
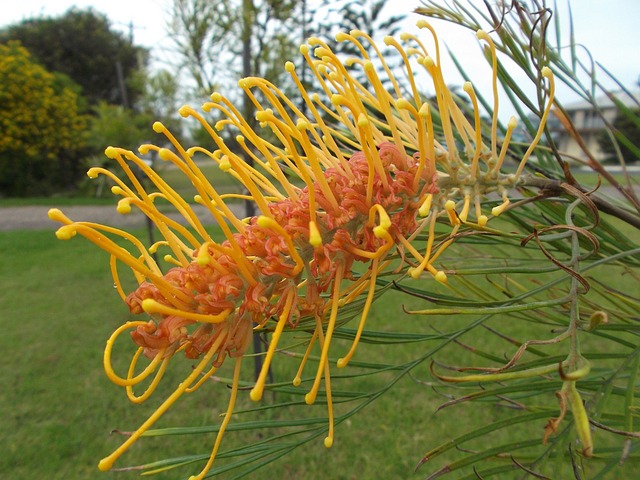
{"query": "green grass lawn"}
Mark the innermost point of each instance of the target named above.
(58, 408)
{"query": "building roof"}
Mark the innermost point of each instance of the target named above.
(604, 102)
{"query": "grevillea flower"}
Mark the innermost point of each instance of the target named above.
(373, 177)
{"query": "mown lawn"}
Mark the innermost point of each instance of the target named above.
(58, 408)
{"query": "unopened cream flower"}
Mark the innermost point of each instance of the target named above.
(373, 177)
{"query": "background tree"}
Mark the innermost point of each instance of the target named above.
(626, 131)
(369, 16)
(43, 138)
(103, 63)
(221, 42)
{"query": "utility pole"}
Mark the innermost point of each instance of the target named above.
(248, 112)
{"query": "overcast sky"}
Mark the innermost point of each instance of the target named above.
(609, 29)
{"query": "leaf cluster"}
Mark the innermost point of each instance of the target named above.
(42, 126)
(93, 62)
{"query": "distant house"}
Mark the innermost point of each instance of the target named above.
(588, 123)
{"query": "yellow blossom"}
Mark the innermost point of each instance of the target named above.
(373, 176)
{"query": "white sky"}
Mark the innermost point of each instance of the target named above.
(608, 29)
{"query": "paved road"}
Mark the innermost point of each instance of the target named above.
(35, 217)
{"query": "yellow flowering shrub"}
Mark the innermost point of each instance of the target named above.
(42, 128)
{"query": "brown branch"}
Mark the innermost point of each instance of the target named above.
(553, 187)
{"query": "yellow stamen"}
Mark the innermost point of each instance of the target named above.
(315, 239)
(328, 441)
(256, 391)
(513, 123)
(468, 88)
(154, 383)
(298, 378)
(342, 362)
(450, 207)
(547, 73)
(150, 306)
(106, 359)
(225, 421)
(311, 396)
(482, 35)
(495, 211)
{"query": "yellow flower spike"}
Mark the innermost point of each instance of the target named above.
(153, 306)
(447, 107)
(333, 162)
(107, 462)
(349, 37)
(270, 165)
(256, 392)
(310, 397)
(430, 153)
(548, 74)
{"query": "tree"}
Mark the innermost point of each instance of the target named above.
(626, 129)
(42, 138)
(102, 62)
(367, 16)
(160, 98)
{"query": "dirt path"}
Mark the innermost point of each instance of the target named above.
(35, 217)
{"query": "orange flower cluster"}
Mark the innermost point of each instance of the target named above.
(374, 176)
